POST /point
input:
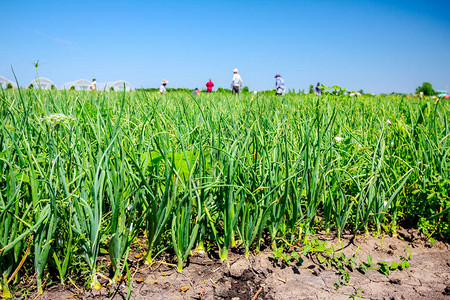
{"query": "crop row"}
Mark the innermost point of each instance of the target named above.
(80, 170)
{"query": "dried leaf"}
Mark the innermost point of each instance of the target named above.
(184, 288)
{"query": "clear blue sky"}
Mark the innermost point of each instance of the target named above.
(377, 46)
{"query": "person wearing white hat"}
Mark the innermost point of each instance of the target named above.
(236, 83)
(162, 88)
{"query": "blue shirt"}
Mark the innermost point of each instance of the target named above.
(279, 84)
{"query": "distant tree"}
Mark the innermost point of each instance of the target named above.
(72, 88)
(9, 86)
(293, 91)
(222, 90)
(111, 89)
(311, 89)
(245, 89)
(426, 88)
(53, 87)
(30, 86)
(361, 92)
(397, 94)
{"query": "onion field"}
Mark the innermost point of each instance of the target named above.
(89, 172)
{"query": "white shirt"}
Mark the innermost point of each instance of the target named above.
(162, 89)
(237, 80)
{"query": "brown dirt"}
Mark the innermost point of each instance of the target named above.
(260, 277)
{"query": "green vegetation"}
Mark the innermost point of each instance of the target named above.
(426, 88)
(85, 172)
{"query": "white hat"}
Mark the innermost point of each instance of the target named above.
(164, 81)
(235, 70)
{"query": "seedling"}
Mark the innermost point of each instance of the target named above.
(384, 268)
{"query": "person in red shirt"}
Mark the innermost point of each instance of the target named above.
(209, 86)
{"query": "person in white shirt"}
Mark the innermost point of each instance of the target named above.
(236, 83)
(93, 86)
(162, 88)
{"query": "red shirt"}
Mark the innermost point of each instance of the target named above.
(209, 86)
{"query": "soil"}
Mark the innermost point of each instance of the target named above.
(262, 277)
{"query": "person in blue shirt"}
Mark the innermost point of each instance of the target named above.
(279, 85)
(318, 90)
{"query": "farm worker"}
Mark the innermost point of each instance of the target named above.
(236, 83)
(196, 92)
(162, 88)
(209, 86)
(318, 90)
(93, 86)
(279, 85)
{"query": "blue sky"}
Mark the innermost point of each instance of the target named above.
(377, 46)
